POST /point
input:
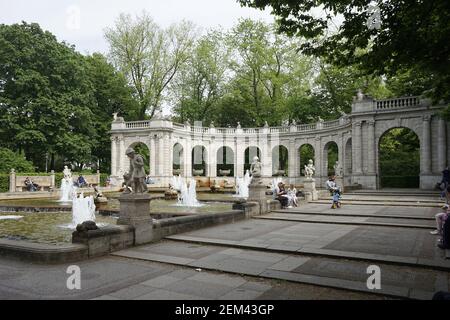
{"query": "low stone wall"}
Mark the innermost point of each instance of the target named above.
(166, 227)
(105, 240)
(41, 253)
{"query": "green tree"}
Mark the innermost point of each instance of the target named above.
(149, 56)
(44, 96)
(410, 35)
(112, 94)
(200, 83)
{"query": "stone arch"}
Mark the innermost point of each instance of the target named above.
(306, 152)
(225, 161)
(249, 153)
(199, 161)
(144, 150)
(330, 155)
(409, 151)
(280, 160)
(178, 159)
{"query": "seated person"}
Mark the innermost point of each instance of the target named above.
(108, 181)
(149, 180)
(440, 220)
(282, 195)
(31, 186)
(97, 193)
(81, 182)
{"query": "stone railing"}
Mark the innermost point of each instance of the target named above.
(321, 125)
(396, 103)
(138, 124)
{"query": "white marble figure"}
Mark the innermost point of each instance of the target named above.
(67, 173)
(310, 170)
(338, 169)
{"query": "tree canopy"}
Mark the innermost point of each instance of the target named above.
(395, 35)
(55, 103)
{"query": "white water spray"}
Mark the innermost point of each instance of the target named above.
(242, 185)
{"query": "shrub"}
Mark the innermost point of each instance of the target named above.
(12, 160)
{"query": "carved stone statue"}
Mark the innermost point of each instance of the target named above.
(255, 168)
(338, 169)
(239, 125)
(310, 170)
(134, 179)
(67, 173)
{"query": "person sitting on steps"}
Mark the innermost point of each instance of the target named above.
(440, 220)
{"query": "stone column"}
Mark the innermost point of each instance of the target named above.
(318, 161)
(442, 145)
(12, 181)
(426, 145)
(135, 212)
(240, 157)
(160, 160)
(188, 158)
(357, 149)
(113, 156)
(152, 156)
(170, 148)
(371, 148)
(292, 159)
(52, 180)
(266, 161)
(122, 155)
(212, 163)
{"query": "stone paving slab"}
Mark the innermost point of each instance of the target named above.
(398, 281)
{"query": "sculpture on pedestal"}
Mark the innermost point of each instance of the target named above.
(310, 170)
(134, 179)
(255, 168)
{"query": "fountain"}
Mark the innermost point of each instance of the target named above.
(83, 209)
(177, 182)
(242, 185)
(188, 196)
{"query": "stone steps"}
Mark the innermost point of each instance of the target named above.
(359, 221)
(338, 213)
(383, 203)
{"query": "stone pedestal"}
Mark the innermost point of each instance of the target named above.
(311, 193)
(257, 193)
(135, 212)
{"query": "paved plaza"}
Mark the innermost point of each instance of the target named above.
(311, 252)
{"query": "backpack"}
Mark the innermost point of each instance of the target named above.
(446, 234)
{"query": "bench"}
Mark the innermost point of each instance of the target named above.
(45, 183)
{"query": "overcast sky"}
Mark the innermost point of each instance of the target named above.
(82, 22)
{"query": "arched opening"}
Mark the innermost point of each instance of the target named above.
(178, 160)
(144, 151)
(250, 154)
(225, 162)
(330, 157)
(399, 159)
(306, 153)
(280, 161)
(199, 165)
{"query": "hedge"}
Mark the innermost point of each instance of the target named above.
(400, 181)
(4, 178)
